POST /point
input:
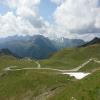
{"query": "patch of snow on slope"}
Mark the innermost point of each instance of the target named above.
(77, 75)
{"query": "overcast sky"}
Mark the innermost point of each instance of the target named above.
(52, 18)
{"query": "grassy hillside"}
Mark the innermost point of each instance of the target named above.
(90, 67)
(7, 61)
(85, 89)
(51, 85)
(71, 58)
(30, 84)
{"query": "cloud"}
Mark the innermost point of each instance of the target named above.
(58, 2)
(72, 18)
(22, 7)
(97, 23)
(19, 3)
(78, 16)
(25, 19)
(11, 25)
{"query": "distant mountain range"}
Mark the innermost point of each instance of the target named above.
(7, 52)
(67, 43)
(92, 42)
(34, 47)
(38, 46)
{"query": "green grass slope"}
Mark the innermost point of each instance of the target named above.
(85, 89)
(28, 84)
(51, 85)
(7, 61)
(90, 67)
(31, 84)
(71, 58)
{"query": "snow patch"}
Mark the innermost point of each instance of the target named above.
(77, 75)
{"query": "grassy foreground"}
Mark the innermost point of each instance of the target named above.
(71, 58)
(51, 85)
(85, 89)
(28, 84)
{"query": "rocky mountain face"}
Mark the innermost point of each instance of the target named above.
(38, 46)
(7, 52)
(67, 43)
(96, 40)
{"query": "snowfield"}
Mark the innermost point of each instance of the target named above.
(77, 75)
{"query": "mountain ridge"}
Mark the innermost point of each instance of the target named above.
(7, 52)
(37, 46)
(95, 40)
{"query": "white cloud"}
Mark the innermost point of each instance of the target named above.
(24, 21)
(70, 18)
(25, 11)
(58, 2)
(22, 7)
(77, 15)
(97, 23)
(19, 3)
(11, 25)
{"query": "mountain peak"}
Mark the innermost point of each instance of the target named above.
(7, 52)
(96, 40)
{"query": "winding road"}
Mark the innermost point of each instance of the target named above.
(14, 68)
(38, 64)
(72, 72)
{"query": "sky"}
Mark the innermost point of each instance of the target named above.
(51, 18)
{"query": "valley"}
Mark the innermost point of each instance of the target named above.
(72, 72)
(52, 78)
(49, 49)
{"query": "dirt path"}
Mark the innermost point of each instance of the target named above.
(14, 68)
(83, 65)
(72, 72)
(38, 64)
